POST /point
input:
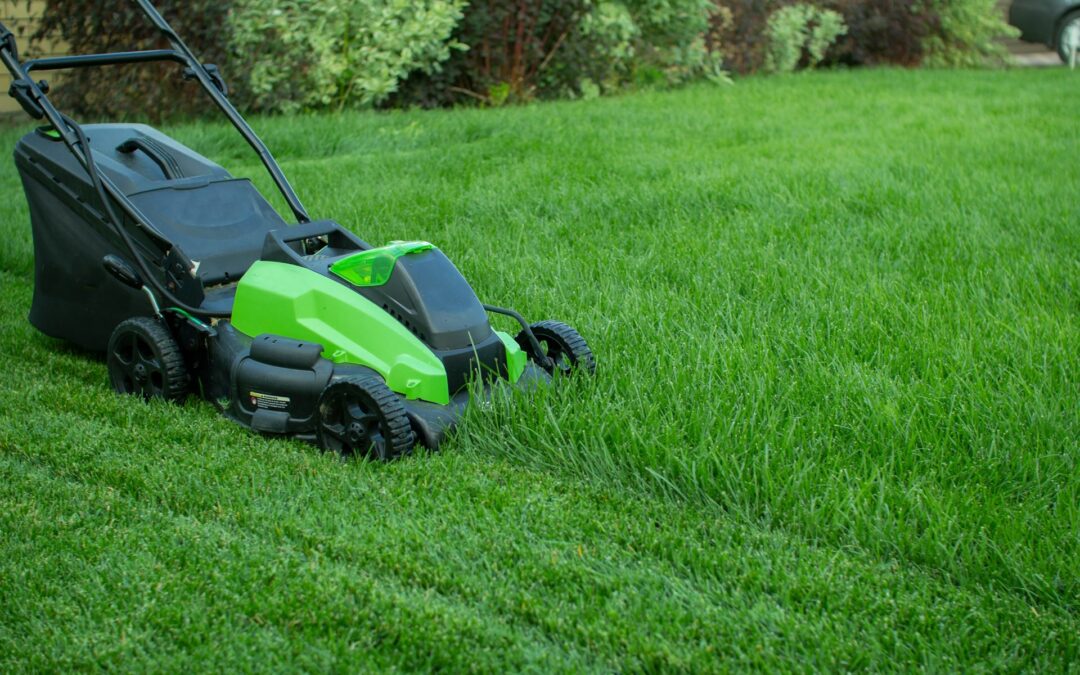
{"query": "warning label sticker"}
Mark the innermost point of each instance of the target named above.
(269, 401)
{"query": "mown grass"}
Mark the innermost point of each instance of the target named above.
(835, 424)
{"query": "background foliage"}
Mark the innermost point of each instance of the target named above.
(738, 32)
(289, 55)
(519, 50)
(157, 90)
(884, 32)
(316, 53)
(800, 34)
(966, 32)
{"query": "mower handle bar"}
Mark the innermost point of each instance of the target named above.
(110, 59)
(180, 53)
(218, 96)
(32, 96)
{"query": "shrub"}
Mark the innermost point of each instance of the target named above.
(673, 38)
(737, 30)
(647, 42)
(522, 49)
(153, 90)
(967, 33)
(319, 53)
(287, 50)
(277, 55)
(800, 34)
(512, 50)
(883, 32)
(615, 37)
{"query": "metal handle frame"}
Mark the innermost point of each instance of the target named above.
(32, 96)
(180, 53)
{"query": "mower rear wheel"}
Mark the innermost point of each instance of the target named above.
(563, 346)
(144, 360)
(362, 416)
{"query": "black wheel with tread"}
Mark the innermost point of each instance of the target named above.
(1070, 22)
(144, 360)
(560, 343)
(362, 416)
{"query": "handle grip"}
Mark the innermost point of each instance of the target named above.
(166, 162)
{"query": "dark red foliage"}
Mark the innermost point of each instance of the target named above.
(882, 32)
(518, 49)
(879, 32)
(739, 33)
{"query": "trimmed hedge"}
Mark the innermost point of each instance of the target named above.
(287, 55)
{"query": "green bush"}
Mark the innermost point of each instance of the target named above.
(904, 32)
(800, 34)
(737, 31)
(615, 37)
(967, 33)
(517, 50)
(339, 53)
(287, 55)
(672, 38)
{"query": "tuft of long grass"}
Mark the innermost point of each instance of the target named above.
(835, 421)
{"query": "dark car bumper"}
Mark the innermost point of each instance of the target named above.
(1037, 19)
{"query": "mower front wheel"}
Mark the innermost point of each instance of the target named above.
(144, 360)
(563, 347)
(361, 415)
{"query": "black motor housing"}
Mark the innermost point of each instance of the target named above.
(270, 383)
(428, 295)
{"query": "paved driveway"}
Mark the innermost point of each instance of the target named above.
(1026, 54)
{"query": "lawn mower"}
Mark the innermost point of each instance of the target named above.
(190, 282)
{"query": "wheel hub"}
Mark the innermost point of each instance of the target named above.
(355, 434)
(140, 372)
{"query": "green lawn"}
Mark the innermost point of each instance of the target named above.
(836, 423)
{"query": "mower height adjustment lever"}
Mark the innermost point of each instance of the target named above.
(215, 76)
(22, 91)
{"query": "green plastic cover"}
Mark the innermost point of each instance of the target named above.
(298, 303)
(374, 266)
(516, 358)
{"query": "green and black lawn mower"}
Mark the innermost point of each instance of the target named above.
(189, 281)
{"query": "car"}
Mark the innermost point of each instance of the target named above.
(1054, 23)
